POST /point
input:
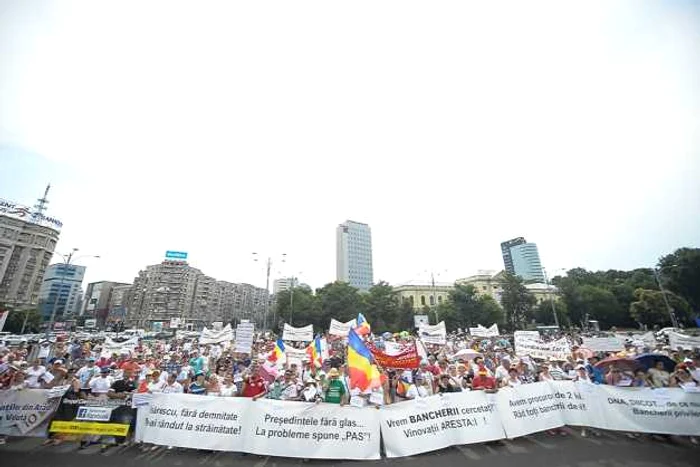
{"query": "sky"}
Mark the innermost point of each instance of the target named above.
(225, 128)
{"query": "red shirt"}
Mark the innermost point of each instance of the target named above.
(484, 382)
(254, 386)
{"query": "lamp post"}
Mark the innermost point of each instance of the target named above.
(671, 314)
(551, 299)
(67, 261)
(268, 265)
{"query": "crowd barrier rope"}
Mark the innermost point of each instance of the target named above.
(329, 431)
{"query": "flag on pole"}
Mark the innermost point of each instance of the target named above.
(363, 374)
(363, 327)
(315, 352)
(278, 353)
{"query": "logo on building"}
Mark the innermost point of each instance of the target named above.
(175, 255)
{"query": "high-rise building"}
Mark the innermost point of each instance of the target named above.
(526, 262)
(174, 289)
(285, 283)
(507, 256)
(97, 300)
(354, 254)
(27, 241)
(61, 288)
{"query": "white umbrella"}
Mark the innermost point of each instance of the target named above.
(466, 354)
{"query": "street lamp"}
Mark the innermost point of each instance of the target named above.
(671, 314)
(67, 261)
(268, 265)
(551, 299)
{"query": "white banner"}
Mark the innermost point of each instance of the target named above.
(532, 335)
(244, 337)
(298, 334)
(323, 431)
(559, 349)
(646, 410)
(603, 344)
(295, 356)
(110, 347)
(436, 422)
(27, 412)
(481, 331)
(436, 334)
(209, 336)
(197, 422)
(686, 342)
(338, 328)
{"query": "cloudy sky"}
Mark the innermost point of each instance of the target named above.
(224, 128)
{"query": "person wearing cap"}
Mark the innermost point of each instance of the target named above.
(334, 390)
(581, 374)
(86, 373)
(99, 386)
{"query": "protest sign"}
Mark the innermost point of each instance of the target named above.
(110, 347)
(305, 333)
(198, 422)
(338, 328)
(532, 335)
(324, 431)
(111, 417)
(210, 336)
(559, 349)
(436, 334)
(295, 356)
(529, 408)
(436, 422)
(403, 358)
(603, 344)
(481, 331)
(26, 412)
(646, 410)
(676, 339)
(244, 337)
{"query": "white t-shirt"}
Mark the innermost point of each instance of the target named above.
(228, 391)
(501, 373)
(101, 385)
(416, 392)
(156, 386)
(34, 376)
(172, 389)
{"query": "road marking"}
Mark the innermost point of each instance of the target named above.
(514, 448)
(540, 443)
(469, 453)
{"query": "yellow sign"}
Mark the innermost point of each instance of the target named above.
(90, 428)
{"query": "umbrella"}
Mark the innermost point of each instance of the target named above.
(648, 360)
(624, 364)
(466, 354)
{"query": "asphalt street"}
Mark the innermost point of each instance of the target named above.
(607, 449)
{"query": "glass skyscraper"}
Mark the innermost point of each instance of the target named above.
(354, 254)
(526, 262)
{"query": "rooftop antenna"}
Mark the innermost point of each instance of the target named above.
(40, 206)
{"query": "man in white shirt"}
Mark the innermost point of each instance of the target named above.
(172, 386)
(99, 387)
(86, 373)
(35, 375)
(502, 371)
(417, 390)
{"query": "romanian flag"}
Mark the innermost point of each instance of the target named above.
(362, 328)
(315, 352)
(277, 355)
(363, 374)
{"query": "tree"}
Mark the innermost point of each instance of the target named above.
(680, 273)
(517, 301)
(542, 313)
(306, 308)
(339, 300)
(650, 307)
(16, 318)
(381, 305)
(404, 317)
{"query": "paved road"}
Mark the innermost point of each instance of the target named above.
(609, 449)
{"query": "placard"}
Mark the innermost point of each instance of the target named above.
(210, 336)
(683, 341)
(27, 412)
(436, 334)
(305, 333)
(338, 328)
(603, 344)
(481, 331)
(559, 349)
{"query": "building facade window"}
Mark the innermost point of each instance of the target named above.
(422, 300)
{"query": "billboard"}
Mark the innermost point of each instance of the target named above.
(27, 214)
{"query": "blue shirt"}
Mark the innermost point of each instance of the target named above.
(197, 389)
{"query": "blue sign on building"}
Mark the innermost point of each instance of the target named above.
(176, 255)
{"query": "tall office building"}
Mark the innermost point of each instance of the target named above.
(27, 241)
(61, 288)
(507, 256)
(526, 262)
(285, 283)
(354, 254)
